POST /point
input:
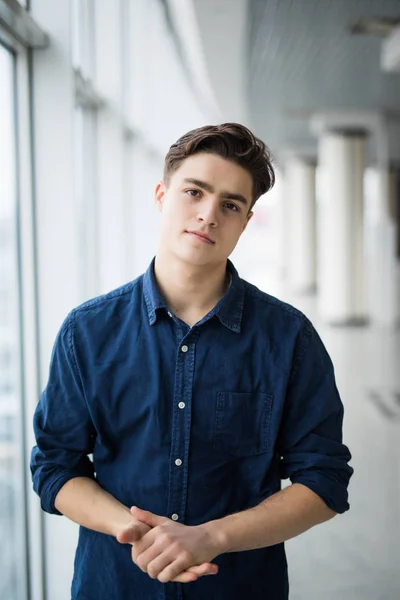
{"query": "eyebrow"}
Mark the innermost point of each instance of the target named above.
(209, 188)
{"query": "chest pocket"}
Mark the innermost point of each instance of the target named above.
(242, 422)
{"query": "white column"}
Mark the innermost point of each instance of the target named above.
(381, 246)
(301, 226)
(340, 258)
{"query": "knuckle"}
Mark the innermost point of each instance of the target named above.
(177, 548)
(185, 556)
(163, 578)
(141, 563)
(152, 572)
(134, 555)
(165, 538)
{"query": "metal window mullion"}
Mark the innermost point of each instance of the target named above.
(85, 94)
(18, 23)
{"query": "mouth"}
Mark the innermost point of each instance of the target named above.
(201, 236)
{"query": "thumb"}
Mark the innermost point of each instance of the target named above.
(147, 517)
(131, 534)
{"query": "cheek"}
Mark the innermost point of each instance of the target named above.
(178, 207)
(231, 236)
(175, 217)
(237, 228)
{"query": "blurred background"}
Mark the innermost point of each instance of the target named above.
(92, 94)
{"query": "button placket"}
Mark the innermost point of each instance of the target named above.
(177, 496)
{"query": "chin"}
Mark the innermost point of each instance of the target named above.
(204, 261)
(194, 258)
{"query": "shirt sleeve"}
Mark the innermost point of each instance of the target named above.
(62, 425)
(310, 441)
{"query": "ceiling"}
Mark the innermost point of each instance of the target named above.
(303, 59)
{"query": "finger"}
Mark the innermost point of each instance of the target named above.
(195, 572)
(185, 577)
(175, 568)
(143, 554)
(204, 569)
(178, 571)
(147, 517)
(146, 544)
(158, 564)
(130, 535)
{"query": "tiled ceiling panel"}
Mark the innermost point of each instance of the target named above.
(303, 58)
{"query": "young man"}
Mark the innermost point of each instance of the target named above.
(197, 394)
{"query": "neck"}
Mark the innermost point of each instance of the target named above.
(190, 289)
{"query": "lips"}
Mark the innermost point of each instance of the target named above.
(201, 236)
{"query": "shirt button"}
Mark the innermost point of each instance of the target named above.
(181, 405)
(184, 348)
(169, 314)
(178, 462)
(175, 517)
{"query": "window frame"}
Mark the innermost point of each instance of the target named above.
(19, 34)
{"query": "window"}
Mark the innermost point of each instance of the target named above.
(85, 124)
(12, 511)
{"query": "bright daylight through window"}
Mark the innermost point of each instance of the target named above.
(11, 468)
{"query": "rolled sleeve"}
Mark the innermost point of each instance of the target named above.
(62, 425)
(310, 444)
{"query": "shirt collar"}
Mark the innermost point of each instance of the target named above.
(229, 309)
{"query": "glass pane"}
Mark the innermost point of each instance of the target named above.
(83, 28)
(86, 210)
(12, 545)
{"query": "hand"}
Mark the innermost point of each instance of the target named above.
(133, 532)
(171, 551)
(136, 530)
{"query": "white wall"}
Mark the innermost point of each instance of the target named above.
(214, 36)
(226, 65)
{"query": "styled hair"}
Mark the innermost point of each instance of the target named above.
(231, 141)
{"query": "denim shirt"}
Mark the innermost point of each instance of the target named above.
(191, 423)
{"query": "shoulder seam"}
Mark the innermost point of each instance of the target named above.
(118, 293)
(71, 349)
(305, 339)
(264, 297)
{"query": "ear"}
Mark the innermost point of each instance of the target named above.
(249, 216)
(159, 194)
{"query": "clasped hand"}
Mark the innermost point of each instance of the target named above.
(167, 550)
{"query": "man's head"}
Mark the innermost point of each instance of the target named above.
(212, 178)
(231, 141)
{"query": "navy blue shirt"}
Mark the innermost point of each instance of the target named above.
(191, 423)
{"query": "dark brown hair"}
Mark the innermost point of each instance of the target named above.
(231, 141)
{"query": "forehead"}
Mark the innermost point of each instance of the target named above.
(221, 173)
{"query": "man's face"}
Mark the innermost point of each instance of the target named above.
(205, 209)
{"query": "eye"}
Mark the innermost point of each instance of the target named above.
(231, 206)
(194, 193)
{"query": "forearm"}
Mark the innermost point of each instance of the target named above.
(82, 500)
(282, 516)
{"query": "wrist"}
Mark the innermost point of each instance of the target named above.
(124, 520)
(217, 534)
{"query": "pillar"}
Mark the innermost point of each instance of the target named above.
(341, 262)
(301, 224)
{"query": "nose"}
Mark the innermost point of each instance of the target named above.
(208, 214)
